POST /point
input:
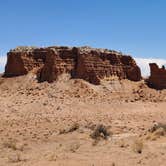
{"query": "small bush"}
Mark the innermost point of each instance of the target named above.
(100, 131)
(157, 126)
(158, 130)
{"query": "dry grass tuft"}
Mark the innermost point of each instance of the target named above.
(10, 144)
(14, 145)
(74, 147)
(15, 158)
(156, 132)
(71, 129)
(156, 126)
(51, 156)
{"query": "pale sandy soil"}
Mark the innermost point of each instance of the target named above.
(32, 115)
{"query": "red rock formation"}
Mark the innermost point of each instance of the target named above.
(157, 78)
(58, 60)
(24, 59)
(83, 62)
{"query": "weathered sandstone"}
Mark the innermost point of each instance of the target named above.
(157, 78)
(85, 63)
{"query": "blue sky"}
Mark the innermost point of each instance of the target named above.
(135, 27)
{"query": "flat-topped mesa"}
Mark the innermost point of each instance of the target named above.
(85, 63)
(157, 77)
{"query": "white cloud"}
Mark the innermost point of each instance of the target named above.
(3, 60)
(143, 63)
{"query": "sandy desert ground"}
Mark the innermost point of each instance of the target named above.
(44, 124)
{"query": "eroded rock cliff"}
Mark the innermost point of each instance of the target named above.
(157, 77)
(86, 63)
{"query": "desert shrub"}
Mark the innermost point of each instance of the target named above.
(100, 131)
(156, 131)
(74, 127)
(156, 126)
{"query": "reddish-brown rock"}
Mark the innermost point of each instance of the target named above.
(157, 77)
(24, 59)
(86, 63)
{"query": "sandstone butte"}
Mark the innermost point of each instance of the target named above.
(86, 63)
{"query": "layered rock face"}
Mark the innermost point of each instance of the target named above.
(86, 63)
(157, 78)
(24, 59)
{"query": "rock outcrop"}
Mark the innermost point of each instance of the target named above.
(157, 77)
(85, 63)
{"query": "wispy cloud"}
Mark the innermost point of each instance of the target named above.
(3, 60)
(143, 63)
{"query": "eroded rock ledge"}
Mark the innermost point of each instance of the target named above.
(86, 63)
